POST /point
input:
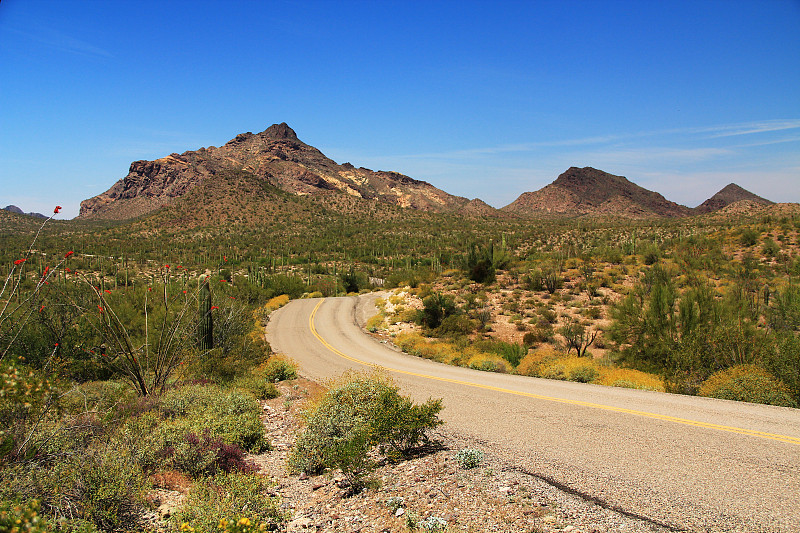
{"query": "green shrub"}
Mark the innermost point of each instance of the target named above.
(469, 458)
(261, 388)
(280, 369)
(96, 396)
(355, 416)
(455, 325)
(233, 502)
(747, 383)
(584, 374)
(22, 517)
(207, 414)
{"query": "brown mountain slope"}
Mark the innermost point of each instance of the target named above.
(590, 192)
(731, 194)
(275, 155)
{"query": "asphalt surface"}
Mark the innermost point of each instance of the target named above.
(687, 463)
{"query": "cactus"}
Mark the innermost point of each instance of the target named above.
(205, 327)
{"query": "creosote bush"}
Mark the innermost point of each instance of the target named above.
(279, 368)
(360, 414)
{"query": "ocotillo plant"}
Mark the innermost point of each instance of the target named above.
(206, 322)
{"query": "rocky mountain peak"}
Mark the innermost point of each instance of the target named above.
(730, 194)
(275, 156)
(280, 131)
(591, 192)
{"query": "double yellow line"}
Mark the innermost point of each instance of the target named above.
(667, 418)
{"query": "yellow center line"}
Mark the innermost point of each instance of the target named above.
(667, 418)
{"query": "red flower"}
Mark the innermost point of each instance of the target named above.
(149, 289)
(68, 254)
(67, 269)
(184, 292)
(214, 307)
(232, 297)
(225, 258)
(46, 270)
(223, 281)
(56, 345)
(42, 309)
(166, 266)
(100, 307)
(57, 209)
(19, 261)
(108, 291)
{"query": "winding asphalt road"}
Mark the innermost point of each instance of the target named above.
(686, 463)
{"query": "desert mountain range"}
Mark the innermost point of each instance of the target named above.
(281, 160)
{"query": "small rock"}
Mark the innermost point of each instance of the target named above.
(303, 476)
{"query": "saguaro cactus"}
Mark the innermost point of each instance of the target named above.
(205, 327)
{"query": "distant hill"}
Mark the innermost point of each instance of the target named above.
(17, 210)
(281, 160)
(730, 194)
(581, 192)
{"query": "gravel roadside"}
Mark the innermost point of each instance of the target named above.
(493, 496)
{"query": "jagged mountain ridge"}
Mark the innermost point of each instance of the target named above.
(275, 155)
(278, 157)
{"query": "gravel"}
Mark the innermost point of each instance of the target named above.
(428, 491)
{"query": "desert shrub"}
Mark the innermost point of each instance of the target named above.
(433, 524)
(277, 302)
(96, 396)
(456, 325)
(539, 334)
(417, 345)
(531, 364)
(469, 458)
(570, 369)
(488, 362)
(109, 489)
(584, 374)
(747, 383)
(436, 308)
(259, 387)
(202, 455)
(748, 237)
(99, 484)
(409, 315)
(357, 414)
(280, 369)
(209, 413)
(229, 500)
(630, 379)
(23, 517)
(376, 322)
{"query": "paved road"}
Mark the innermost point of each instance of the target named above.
(693, 464)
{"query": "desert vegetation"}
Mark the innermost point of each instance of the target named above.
(129, 362)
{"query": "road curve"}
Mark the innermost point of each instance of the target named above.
(687, 463)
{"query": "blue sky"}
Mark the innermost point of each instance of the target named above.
(482, 99)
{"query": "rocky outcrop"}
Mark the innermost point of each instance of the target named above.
(275, 155)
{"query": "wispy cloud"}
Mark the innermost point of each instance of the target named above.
(749, 128)
(61, 41)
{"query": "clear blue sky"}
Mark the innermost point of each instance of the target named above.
(482, 99)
